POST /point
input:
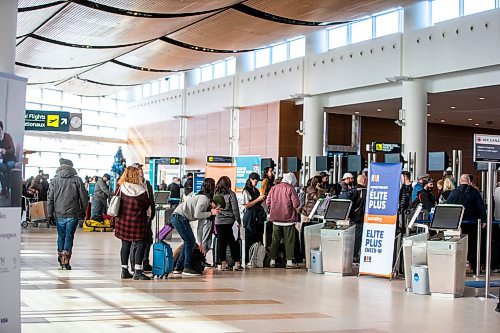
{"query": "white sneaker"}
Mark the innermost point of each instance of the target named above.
(272, 263)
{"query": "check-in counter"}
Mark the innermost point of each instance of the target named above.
(447, 259)
(337, 247)
(414, 254)
(312, 241)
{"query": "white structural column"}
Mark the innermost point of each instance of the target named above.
(313, 110)
(8, 22)
(313, 127)
(414, 131)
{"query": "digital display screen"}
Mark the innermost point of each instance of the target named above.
(354, 163)
(293, 164)
(392, 158)
(338, 209)
(161, 197)
(447, 217)
(323, 163)
(437, 161)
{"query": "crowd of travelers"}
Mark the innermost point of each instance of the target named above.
(277, 206)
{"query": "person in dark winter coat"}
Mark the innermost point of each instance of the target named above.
(425, 196)
(8, 156)
(253, 214)
(224, 222)
(100, 198)
(131, 224)
(469, 197)
(358, 213)
(66, 201)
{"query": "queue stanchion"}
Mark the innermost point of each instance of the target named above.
(478, 249)
(489, 222)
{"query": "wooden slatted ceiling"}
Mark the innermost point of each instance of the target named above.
(108, 71)
(184, 6)
(27, 22)
(86, 26)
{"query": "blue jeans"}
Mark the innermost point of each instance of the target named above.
(66, 227)
(5, 173)
(181, 224)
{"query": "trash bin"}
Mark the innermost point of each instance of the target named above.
(420, 279)
(316, 261)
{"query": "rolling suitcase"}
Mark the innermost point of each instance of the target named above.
(163, 257)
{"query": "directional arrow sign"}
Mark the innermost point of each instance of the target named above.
(55, 121)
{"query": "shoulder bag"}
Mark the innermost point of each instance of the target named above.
(114, 204)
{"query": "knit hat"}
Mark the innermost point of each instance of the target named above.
(290, 178)
(64, 161)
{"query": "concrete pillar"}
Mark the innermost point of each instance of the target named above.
(8, 24)
(414, 129)
(245, 62)
(316, 42)
(312, 139)
(192, 78)
(417, 16)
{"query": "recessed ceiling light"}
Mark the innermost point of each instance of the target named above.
(453, 107)
(442, 120)
(379, 110)
(428, 115)
(356, 112)
(428, 104)
(470, 119)
(476, 124)
(481, 98)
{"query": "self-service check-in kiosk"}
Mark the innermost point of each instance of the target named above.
(163, 209)
(337, 238)
(447, 252)
(414, 248)
(312, 235)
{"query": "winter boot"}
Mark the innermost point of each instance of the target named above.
(146, 266)
(59, 258)
(66, 259)
(139, 275)
(126, 274)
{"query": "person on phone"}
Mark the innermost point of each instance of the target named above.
(199, 207)
(254, 214)
(224, 223)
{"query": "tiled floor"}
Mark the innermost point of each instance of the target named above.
(92, 298)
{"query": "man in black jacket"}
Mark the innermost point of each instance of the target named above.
(358, 213)
(470, 198)
(66, 201)
(404, 198)
(100, 197)
(175, 191)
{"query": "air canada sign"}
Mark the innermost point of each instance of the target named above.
(486, 148)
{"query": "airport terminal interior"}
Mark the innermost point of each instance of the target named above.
(249, 166)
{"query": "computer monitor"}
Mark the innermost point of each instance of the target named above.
(293, 164)
(354, 163)
(338, 209)
(392, 158)
(324, 163)
(447, 217)
(161, 197)
(437, 161)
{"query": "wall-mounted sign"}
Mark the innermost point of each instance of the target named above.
(220, 159)
(54, 121)
(391, 148)
(486, 148)
(163, 160)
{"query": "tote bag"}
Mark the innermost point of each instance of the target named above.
(114, 204)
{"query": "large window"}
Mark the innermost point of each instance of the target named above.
(297, 47)
(262, 57)
(102, 119)
(207, 73)
(443, 10)
(279, 53)
(377, 25)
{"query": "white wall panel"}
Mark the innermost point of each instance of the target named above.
(271, 83)
(357, 65)
(156, 108)
(211, 96)
(460, 44)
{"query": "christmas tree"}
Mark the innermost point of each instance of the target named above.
(119, 164)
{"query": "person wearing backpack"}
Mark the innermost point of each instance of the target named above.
(358, 213)
(224, 222)
(254, 214)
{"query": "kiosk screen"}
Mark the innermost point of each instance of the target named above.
(161, 197)
(338, 210)
(447, 217)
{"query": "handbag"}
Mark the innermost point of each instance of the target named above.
(114, 205)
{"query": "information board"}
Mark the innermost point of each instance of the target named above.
(486, 148)
(390, 148)
(245, 165)
(53, 121)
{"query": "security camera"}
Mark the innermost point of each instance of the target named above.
(399, 123)
(300, 132)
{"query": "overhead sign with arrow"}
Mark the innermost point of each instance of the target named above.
(54, 121)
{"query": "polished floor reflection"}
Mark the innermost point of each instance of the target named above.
(92, 298)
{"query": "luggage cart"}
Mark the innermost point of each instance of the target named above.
(28, 218)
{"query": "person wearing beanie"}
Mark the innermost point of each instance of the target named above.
(67, 200)
(8, 159)
(100, 198)
(283, 203)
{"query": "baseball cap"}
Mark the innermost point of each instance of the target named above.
(347, 175)
(448, 169)
(254, 175)
(422, 176)
(136, 165)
